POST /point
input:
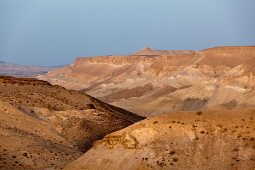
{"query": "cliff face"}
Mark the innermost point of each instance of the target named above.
(120, 60)
(215, 78)
(228, 56)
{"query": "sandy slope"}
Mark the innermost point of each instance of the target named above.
(198, 140)
(44, 126)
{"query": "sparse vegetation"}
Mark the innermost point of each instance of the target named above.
(155, 122)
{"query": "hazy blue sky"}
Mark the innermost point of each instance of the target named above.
(54, 32)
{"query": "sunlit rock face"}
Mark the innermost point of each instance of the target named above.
(159, 81)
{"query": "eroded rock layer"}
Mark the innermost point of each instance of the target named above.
(159, 81)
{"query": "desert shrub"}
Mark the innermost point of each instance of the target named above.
(175, 159)
(25, 154)
(154, 122)
(172, 152)
(90, 106)
(199, 113)
(202, 132)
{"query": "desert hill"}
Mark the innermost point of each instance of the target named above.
(16, 70)
(193, 140)
(44, 126)
(150, 52)
(161, 81)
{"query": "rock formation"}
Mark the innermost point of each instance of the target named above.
(160, 81)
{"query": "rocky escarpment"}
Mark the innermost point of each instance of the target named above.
(199, 140)
(214, 78)
(228, 56)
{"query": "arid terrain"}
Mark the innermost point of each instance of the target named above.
(47, 127)
(200, 109)
(150, 82)
(191, 140)
(8, 69)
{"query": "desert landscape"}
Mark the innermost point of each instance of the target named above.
(198, 108)
(127, 85)
(151, 82)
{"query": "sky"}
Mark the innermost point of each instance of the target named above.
(55, 32)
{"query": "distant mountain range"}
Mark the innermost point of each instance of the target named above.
(9, 69)
(151, 82)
